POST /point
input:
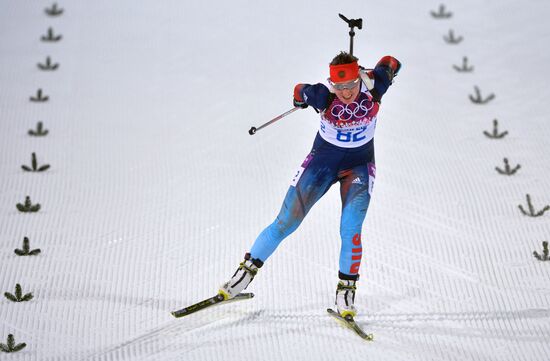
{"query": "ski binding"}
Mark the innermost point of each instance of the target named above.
(350, 323)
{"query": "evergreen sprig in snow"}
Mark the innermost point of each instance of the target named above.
(34, 165)
(39, 131)
(26, 250)
(531, 212)
(28, 207)
(545, 253)
(11, 346)
(18, 296)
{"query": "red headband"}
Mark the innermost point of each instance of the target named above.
(344, 72)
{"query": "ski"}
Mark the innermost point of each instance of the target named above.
(350, 323)
(209, 302)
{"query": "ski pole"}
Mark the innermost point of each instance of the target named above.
(253, 130)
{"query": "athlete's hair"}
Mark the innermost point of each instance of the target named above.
(343, 58)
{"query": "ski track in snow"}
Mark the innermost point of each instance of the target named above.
(156, 190)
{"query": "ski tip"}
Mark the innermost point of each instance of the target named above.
(244, 295)
(178, 314)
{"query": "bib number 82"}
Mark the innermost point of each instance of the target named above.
(347, 137)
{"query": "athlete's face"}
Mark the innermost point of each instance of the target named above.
(347, 91)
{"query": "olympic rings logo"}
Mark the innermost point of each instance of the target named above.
(354, 109)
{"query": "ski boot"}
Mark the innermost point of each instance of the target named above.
(345, 297)
(242, 277)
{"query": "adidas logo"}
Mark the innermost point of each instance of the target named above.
(357, 181)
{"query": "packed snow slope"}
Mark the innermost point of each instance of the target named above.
(156, 190)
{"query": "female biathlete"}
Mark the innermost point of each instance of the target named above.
(343, 151)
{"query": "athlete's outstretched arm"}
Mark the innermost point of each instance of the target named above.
(315, 95)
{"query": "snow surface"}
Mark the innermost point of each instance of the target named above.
(156, 190)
